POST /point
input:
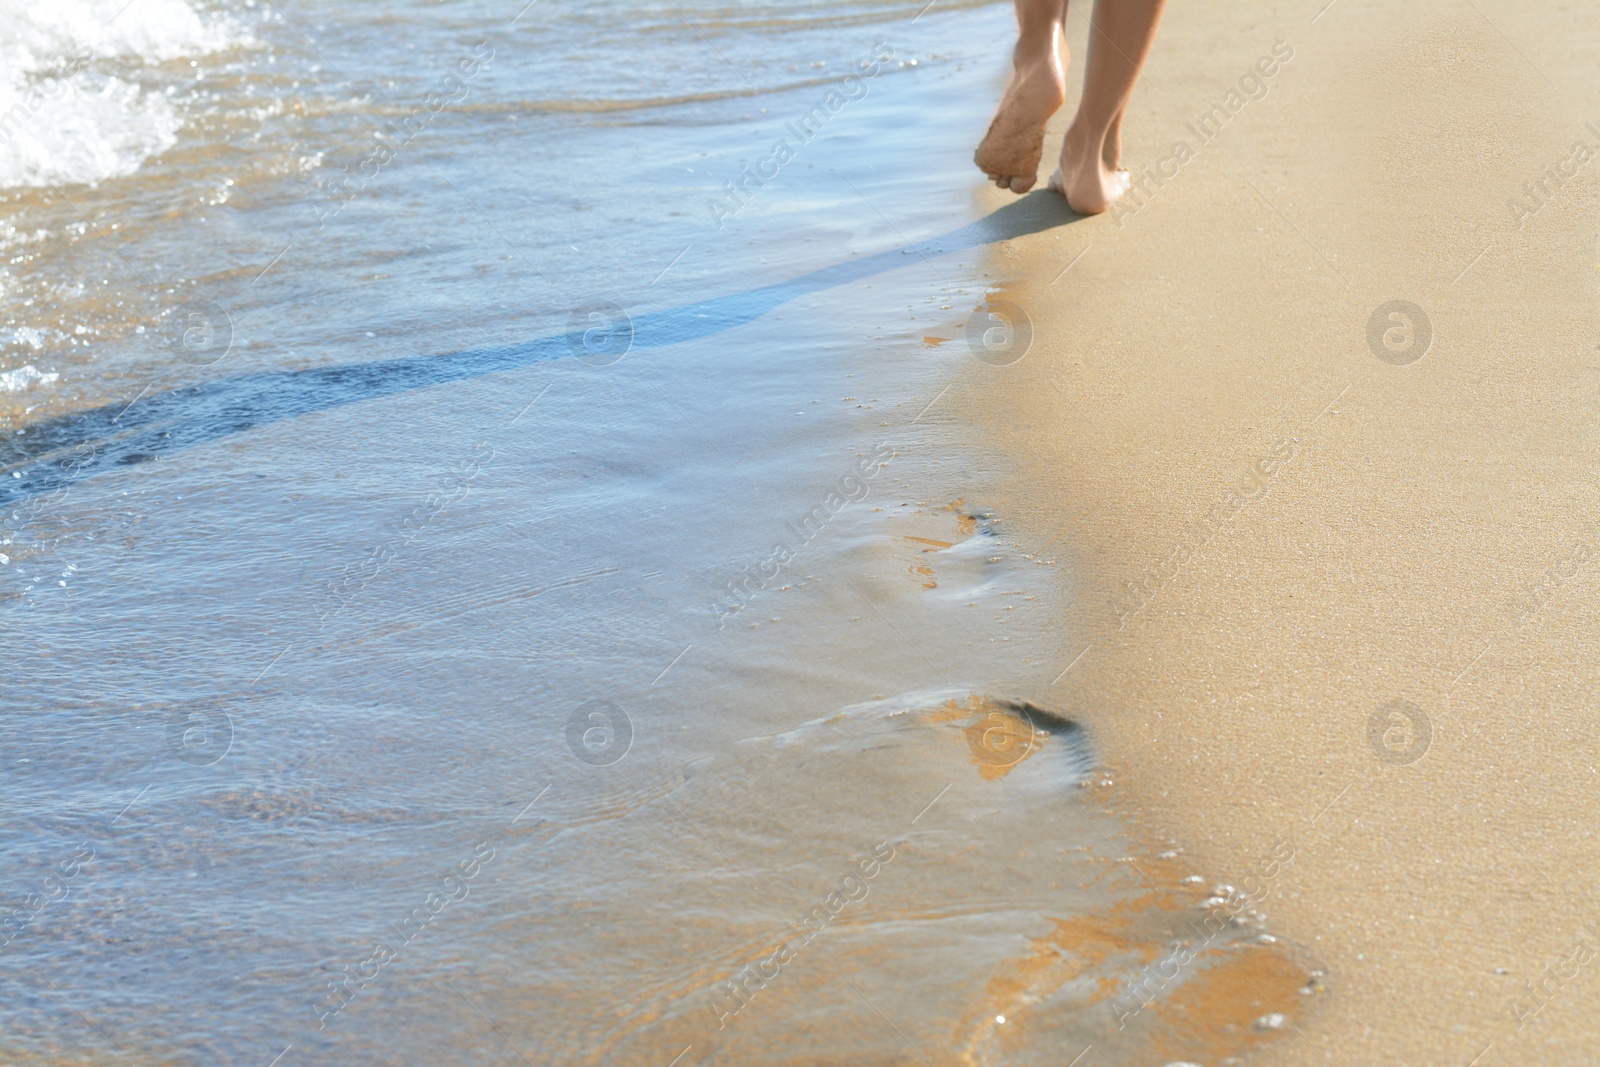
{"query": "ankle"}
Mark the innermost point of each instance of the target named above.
(1083, 144)
(1036, 49)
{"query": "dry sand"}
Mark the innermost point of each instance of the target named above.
(1320, 532)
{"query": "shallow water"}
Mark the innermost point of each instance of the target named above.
(479, 608)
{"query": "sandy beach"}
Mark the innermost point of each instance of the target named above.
(460, 614)
(1311, 421)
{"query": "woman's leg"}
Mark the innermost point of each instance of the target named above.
(1120, 35)
(1009, 153)
(1112, 153)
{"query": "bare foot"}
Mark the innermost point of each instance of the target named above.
(1087, 176)
(1009, 153)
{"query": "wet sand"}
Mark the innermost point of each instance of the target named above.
(1335, 578)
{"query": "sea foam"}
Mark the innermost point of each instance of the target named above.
(63, 119)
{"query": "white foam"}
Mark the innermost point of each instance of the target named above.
(64, 121)
(14, 381)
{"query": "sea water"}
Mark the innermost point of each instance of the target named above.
(487, 575)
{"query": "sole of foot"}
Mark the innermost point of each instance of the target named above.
(1009, 153)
